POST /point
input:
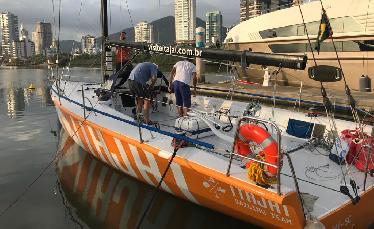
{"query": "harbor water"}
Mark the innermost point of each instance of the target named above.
(38, 191)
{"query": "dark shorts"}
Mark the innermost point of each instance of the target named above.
(182, 94)
(139, 90)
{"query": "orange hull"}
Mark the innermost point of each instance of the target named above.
(185, 179)
(106, 198)
(202, 185)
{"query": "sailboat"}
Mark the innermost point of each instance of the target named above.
(267, 166)
(170, 212)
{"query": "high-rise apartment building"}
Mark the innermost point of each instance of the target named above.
(144, 32)
(24, 47)
(185, 20)
(42, 37)
(9, 32)
(281, 4)
(213, 27)
(296, 2)
(254, 8)
(88, 44)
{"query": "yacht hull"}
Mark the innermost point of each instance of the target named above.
(189, 180)
(185, 179)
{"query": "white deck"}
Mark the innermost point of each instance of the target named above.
(329, 175)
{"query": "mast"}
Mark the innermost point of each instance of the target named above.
(104, 36)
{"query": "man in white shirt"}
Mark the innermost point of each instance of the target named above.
(181, 76)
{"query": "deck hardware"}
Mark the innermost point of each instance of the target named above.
(368, 156)
(243, 61)
(139, 128)
(325, 73)
(90, 109)
(84, 103)
(344, 189)
(355, 189)
(279, 138)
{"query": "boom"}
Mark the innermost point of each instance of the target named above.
(244, 57)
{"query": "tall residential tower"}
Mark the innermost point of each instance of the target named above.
(253, 8)
(144, 32)
(88, 43)
(24, 47)
(185, 20)
(9, 32)
(42, 37)
(213, 27)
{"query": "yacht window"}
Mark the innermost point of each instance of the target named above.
(339, 25)
(341, 46)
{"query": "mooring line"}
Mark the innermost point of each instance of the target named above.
(28, 187)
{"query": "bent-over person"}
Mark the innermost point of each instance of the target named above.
(139, 76)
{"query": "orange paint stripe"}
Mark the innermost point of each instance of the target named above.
(83, 178)
(132, 160)
(78, 131)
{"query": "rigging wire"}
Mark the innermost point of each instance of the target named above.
(120, 10)
(331, 123)
(110, 16)
(78, 22)
(55, 158)
(128, 11)
(59, 31)
(67, 205)
(327, 102)
(54, 17)
(367, 52)
(158, 30)
(351, 100)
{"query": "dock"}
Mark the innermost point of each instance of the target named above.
(290, 97)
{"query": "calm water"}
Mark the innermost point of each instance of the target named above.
(30, 137)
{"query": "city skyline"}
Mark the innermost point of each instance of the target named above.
(74, 27)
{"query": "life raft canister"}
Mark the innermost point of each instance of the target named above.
(253, 133)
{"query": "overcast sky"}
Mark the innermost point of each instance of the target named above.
(79, 17)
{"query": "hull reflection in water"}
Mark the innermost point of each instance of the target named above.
(104, 197)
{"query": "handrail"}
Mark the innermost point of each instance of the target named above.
(295, 181)
(133, 123)
(84, 104)
(279, 137)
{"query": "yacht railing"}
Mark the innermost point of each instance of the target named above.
(279, 139)
(279, 156)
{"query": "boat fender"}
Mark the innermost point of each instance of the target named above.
(254, 133)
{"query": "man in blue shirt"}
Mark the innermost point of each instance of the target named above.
(138, 79)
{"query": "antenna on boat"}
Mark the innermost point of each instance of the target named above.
(104, 37)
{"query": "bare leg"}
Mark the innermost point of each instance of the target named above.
(139, 105)
(185, 110)
(147, 105)
(180, 111)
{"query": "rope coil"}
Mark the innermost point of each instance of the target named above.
(257, 173)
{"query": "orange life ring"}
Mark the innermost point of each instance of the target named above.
(253, 133)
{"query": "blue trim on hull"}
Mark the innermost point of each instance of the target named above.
(177, 136)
